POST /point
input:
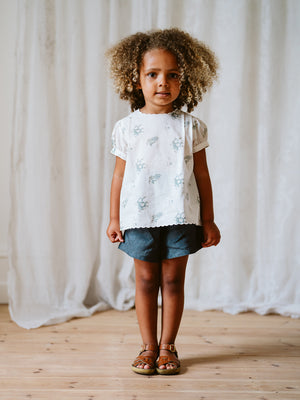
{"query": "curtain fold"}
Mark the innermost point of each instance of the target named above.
(61, 263)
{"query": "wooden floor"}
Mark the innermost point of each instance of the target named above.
(224, 357)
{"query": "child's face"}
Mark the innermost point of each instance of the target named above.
(159, 81)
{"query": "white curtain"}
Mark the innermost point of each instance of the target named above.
(61, 263)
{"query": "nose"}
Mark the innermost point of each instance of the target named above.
(163, 81)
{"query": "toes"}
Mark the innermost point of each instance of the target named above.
(143, 366)
(170, 366)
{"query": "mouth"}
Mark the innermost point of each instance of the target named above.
(163, 94)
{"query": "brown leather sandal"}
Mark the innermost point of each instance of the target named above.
(164, 360)
(146, 360)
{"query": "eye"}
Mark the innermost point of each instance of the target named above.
(151, 74)
(173, 75)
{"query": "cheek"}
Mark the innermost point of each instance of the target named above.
(178, 86)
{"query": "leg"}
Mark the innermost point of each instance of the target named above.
(147, 276)
(172, 287)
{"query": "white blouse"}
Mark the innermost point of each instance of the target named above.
(159, 186)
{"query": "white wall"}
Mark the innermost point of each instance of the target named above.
(8, 31)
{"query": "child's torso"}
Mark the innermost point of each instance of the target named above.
(159, 186)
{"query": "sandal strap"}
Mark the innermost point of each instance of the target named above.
(163, 360)
(170, 347)
(149, 347)
(150, 361)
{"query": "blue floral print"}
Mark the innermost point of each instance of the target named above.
(175, 114)
(177, 144)
(179, 180)
(124, 203)
(152, 140)
(180, 218)
(195, 124)
(140, 165)
(154, 178)
(142, 203)
(156, 217)
(187, 158)
(138, 130)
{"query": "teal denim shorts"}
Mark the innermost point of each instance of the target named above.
(157, 244)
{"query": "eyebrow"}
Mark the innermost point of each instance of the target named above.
(158, 69)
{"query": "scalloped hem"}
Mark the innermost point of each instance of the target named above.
(158, 226)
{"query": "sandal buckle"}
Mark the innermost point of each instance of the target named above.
(172, 348)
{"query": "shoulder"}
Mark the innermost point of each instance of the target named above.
(197, 124)
(126, 119)
(124, 123)
(190, 121)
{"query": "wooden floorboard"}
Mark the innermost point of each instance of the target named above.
(226, 357)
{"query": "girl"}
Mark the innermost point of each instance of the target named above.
(161, 196)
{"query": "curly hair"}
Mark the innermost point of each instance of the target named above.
(196, 62)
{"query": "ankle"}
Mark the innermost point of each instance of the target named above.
(168, 346)
(150, 347)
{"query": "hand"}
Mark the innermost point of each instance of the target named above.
(113, 232)
(212, 234)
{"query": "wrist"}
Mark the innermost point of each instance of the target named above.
(114, 219)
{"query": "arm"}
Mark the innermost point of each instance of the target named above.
(211, 232)
(113, 231)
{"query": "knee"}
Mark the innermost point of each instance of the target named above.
(173, 285)
(148, 283)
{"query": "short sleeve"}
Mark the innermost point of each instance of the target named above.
(119, 146)
(199, 135)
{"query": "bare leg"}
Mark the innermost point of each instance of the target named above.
(147, 276)
(172, 288)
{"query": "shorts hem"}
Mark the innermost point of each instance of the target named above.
(160, 259)
(142, 258)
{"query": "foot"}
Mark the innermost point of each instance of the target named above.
(146, 354)
(168, 362)
(171, 357)
(145, 361)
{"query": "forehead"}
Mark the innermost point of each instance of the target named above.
(156, 58)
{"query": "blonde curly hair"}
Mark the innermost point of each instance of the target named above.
(196, 62)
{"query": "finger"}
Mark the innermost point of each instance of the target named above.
(207, 240)
(119, 237)
(112, 236)
(211, 242)
(216, 240)
(208, 243)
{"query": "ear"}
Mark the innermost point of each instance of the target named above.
(138, 85)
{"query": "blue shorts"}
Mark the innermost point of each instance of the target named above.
(157, 244)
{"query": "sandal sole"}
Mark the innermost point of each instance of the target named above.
(143, 371)
(168, 371)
